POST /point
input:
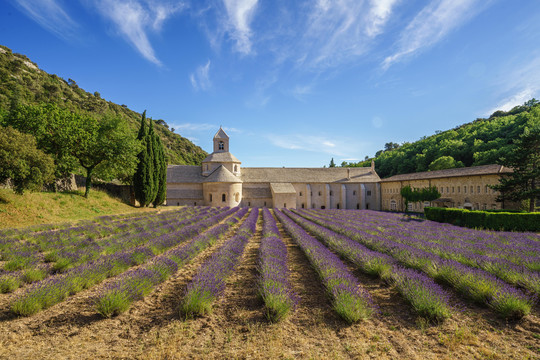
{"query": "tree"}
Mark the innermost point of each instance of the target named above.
(444, 162)
(21, 161)
(143, 180)
(104, 147)
(523, 182)
(332, 163)
(415, 195)
(161, 194)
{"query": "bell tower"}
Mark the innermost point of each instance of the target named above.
(221, 141)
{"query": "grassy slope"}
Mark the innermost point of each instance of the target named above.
(44, 208)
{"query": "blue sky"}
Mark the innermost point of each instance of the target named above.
(294, 83)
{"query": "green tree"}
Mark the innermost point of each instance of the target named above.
(154, 159)
(143, 180)
(21, 161)
(332, 163)
(161, 174)
(104, 147)
(444, 162)
(415, 195)
(523, 182)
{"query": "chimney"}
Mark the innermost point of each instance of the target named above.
(373, 165)
(348, 173)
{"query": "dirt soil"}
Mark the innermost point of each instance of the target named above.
(237, 328)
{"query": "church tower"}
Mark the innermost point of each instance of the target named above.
(221, 141)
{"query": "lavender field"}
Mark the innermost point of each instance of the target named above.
(201, 282)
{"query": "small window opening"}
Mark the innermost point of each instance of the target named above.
(223, 197)
(338, 206)
(210, 197)
(302, 205)
(221, 145)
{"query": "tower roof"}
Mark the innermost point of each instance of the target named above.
(221, 157)
(221, 174)
(221, 134)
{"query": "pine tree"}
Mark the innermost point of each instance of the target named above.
(162, 174)
(143, 178)
(524, 182)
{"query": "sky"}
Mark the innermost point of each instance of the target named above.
(293, 83)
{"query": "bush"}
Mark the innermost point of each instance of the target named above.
(495, 220)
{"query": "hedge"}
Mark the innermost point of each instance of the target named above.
(507, 221)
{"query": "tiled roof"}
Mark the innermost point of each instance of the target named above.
(309, 175)
(465, 171)
(184, 174)
(282, 188)
(221, 174)
(257, 193)
(184, 194)
(221, 157)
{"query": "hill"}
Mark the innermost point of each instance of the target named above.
(480, 142)
(22, 81)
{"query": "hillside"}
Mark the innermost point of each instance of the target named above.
(22, 81)
(480, 142)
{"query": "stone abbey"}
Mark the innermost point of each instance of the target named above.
(221, 181)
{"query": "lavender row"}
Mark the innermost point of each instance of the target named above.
(209, 283)
(502, 268)
(274, 285)
(475, 284)
(52, 290)
(131, 286)
(426, 297)
(33, 271)
(349, 300)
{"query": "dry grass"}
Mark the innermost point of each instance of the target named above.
(237, 328)
(46, 208)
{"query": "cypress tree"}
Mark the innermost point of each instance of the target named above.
(162, 174)
(154, 168)
(143, 178)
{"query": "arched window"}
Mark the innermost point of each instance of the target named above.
(319, 193)
(265, 203)
(357, 206)
(300, 193)
(285, 206)
(223, 197)
(221, 146)
(338, 205)
(302, 205)
(354, 192)
(331, 193)
(210, 197)
(393, 205)
(235, 168)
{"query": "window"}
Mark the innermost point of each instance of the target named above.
(221, 146)
(464, 189)
(426, 203)
(313, 206)
(410, 207)
(265, 203)
(487, 189)
(458, 189)
(235, 168)
(323, 207)
(319, 193)
(178, 204)
(206, 167)
(331, 193)
(210, 197)
(447, 190)
(300, 193)
(194, 204)
(471, 189)
(223, 197)
(354, 192)
(311, 194)
(249, 203)
(338, 205)
(302, 205)
(367, 206)
(478, 189)
(357, 206)
(368, 193)
(452, 189)
(285, 206)
(393, 205)
(237, 197)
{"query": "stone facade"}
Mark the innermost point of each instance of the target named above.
(221, 181)
(466, 188)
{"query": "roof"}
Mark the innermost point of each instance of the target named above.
(221, 134)
(282, 188)
(221, 157)
(256, 193)
(221, 174)
(465, 171)
(184, 194)
(309, 175)
(184, 174)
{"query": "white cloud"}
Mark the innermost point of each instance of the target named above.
(200, 79)
(340, 30)
(432, 24)
(239, 16)
(133, 19)
(315, 143)
(195, 127)
(50, 15)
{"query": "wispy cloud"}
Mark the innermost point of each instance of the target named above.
(195, 127)
(339, 31)
(239, 16)
(51, 15)
(200, 79)
(432, 24)
(134, 19)
(315, 143)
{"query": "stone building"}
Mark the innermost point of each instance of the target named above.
(221, 181)
(467, 188)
